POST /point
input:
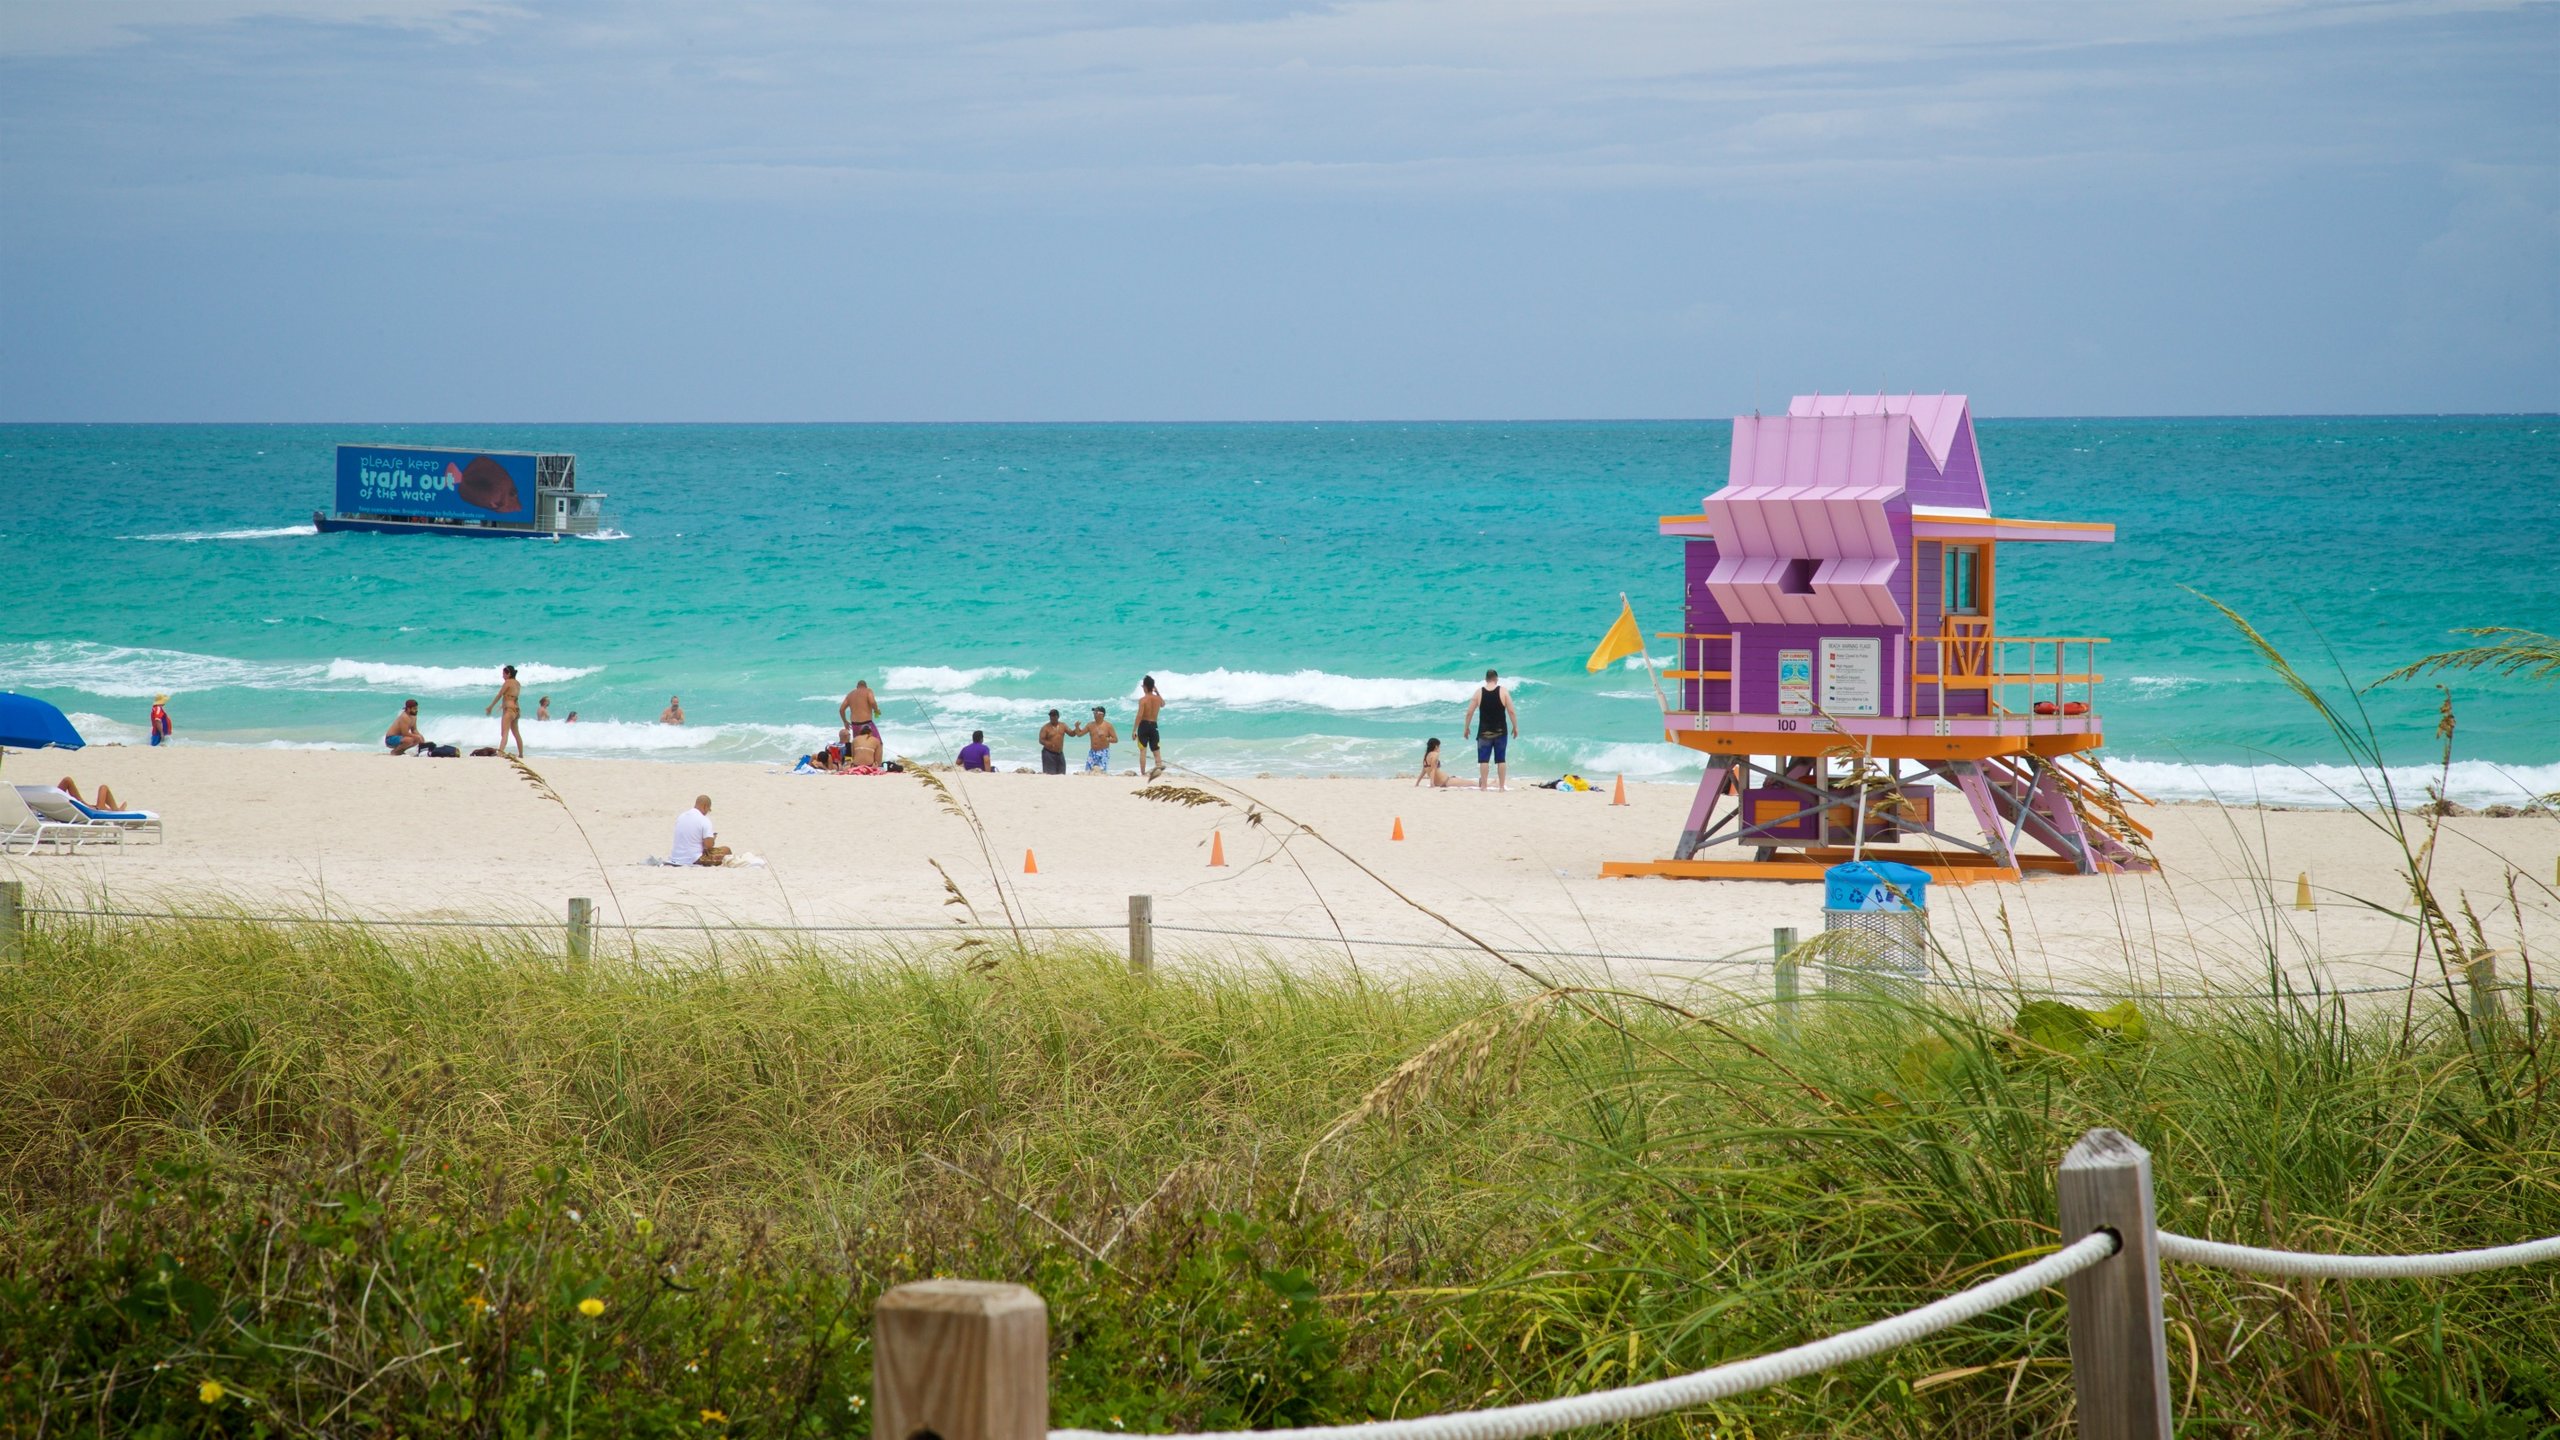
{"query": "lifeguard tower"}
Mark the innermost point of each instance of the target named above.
(1842, 667)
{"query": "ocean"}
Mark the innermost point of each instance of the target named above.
(1312, 598)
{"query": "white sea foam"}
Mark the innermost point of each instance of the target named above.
(2159, 687)
(945, 678)
(2469, 782)
(136, 672)
(1309, 690)
(99, 730)
(1647, 760)
(125, 672)
(434, 679)
(634, 738)
(190, 537)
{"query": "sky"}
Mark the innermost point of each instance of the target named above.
(390, 210)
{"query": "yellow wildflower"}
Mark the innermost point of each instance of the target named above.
(591, 1307)
(209, 1392)
(715, 1417)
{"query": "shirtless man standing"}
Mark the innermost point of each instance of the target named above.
(1102, 733)
(1053, 746)
(674, 713)
(403, 737)
(1150, 733)
(511, 719)
(1493, 737)
(860, 711)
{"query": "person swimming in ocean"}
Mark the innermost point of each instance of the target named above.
(543, 710)
(674, 713)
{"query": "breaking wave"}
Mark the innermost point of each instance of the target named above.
(447, 678)
(1308, 690)
(189, 537)
(633, 739)
(943, 678)
(128, 672)
(2469, 782)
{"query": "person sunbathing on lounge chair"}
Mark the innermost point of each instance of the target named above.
(106, 796)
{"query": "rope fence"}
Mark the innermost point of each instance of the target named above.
(2301, 1265)
(1724, 1382)
(969, 1360)
(582, 925)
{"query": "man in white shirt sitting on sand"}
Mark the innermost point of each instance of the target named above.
(694, 835)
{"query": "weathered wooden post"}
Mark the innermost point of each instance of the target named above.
(582, 922)
(13, 895)
(960, 1360)
(1142, 933)
(2482, 973)
(2119, 1349)
(1783, 940)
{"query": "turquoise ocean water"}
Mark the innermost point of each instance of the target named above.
(1313, 598)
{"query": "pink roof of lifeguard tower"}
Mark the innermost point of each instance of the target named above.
(1846, 481)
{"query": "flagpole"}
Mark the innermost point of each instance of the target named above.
(1645, 649)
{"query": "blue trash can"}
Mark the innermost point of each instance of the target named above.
(1879, 911)
(1875, 885)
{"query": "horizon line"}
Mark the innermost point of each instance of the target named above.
(1326, 420)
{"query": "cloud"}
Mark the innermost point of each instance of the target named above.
(36, 28)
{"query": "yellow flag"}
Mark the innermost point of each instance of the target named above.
(1622, 641)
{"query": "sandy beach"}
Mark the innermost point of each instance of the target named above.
(375, 836)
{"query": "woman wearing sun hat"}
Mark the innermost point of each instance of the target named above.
(160, 726)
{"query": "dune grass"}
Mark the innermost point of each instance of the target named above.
(363, 1185)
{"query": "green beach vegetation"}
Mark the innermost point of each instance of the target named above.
(312, 1179)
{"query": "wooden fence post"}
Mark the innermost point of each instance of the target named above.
(1783, 940)
(1142, 933)
(960, 1360)
(13, 895)
(582, 922)
(2482, 974)
(2119, 1350)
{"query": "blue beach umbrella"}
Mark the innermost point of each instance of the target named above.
(30, 724)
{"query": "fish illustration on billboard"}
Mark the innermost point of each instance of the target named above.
(485, 483)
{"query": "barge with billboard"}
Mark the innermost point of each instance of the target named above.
(423, 490)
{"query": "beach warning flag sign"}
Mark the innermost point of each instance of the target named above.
(1622, 640)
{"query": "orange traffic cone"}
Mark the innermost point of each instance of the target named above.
(1217, 848)
(1399, 829)
(1029, 865)
(1621, 797)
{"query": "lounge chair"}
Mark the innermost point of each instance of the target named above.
(22, 820)
(132, 822)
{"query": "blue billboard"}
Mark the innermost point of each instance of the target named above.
(439, 484)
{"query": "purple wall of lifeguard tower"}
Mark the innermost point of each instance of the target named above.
(1812, 596)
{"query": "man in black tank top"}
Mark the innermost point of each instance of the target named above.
(1500, 721)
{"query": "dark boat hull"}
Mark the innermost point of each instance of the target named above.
(340, 524)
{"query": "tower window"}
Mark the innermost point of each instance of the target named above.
(1797, 579)
(1962, 592)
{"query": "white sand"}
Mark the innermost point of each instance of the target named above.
(409, 838)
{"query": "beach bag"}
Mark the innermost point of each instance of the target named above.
(445, 752)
